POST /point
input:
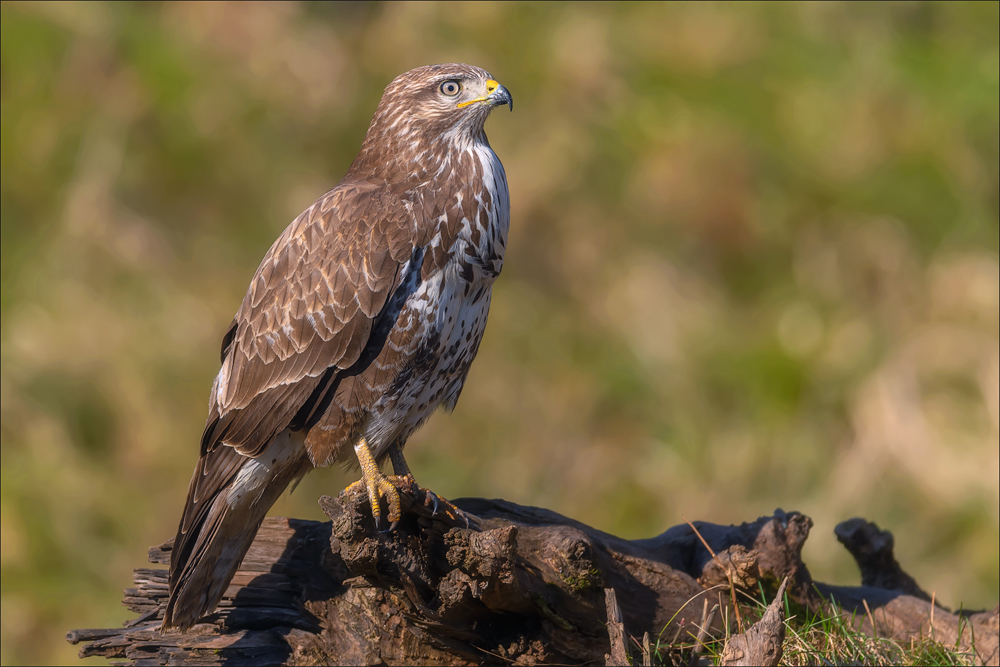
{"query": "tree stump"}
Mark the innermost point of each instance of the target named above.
(503, 584)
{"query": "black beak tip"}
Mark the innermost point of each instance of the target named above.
(502, 96)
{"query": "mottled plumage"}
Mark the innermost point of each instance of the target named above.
(362, 319)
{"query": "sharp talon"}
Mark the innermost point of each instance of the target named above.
(389, 487)
(445, 507)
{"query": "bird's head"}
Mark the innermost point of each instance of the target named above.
(428, 110)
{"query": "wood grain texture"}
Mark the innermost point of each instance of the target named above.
(516, 584)
(762, 643)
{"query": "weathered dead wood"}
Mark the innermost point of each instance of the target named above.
(761, 644)
(899, 608)
(619, 656)
(513, 585)
(872, 550)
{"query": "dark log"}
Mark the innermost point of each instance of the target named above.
(897, 606)
(501, 583)
(872, 550)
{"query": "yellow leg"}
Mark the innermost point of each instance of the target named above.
(378, 485)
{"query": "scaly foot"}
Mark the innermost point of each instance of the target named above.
(380, 486)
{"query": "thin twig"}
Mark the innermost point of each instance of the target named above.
(706, 622)
(697, 645)
(495, 655)
(732, 587)
(871, 618)
(673, 642)
(683, 607)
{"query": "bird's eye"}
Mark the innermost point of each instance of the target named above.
(451, 88)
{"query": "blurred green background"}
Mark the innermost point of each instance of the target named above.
(753, 263)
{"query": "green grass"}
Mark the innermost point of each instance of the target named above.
(830, 637)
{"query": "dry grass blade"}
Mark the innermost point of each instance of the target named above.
(871, 619)
(707, 618)
(729, 576)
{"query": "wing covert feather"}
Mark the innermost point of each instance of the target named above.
(310, 306)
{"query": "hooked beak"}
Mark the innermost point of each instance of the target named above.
(496, 95)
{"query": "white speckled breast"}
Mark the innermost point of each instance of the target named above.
(450, 310)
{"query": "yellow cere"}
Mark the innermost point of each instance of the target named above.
(491, 85)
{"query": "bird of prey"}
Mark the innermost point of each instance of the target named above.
(362, 319)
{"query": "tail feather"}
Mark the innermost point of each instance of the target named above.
(221, 519)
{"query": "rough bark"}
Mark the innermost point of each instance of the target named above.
(514, 584)
(619, 656)
(761, 644)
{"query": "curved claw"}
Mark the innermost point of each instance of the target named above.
(378, 486)
(376, 489)
(449, 510)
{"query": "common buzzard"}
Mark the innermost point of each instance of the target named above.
(362, 319)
